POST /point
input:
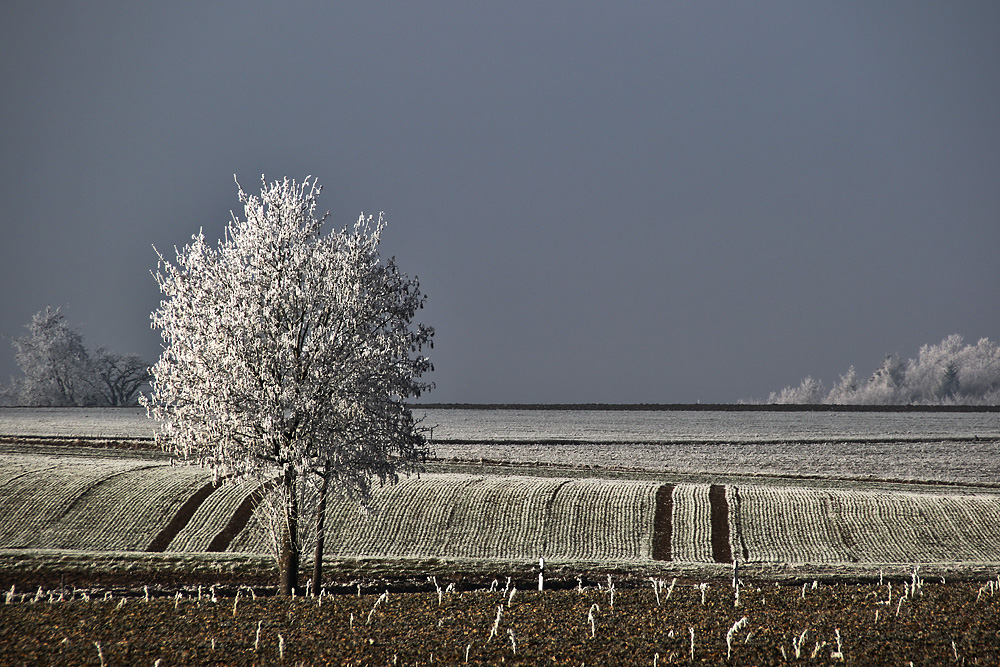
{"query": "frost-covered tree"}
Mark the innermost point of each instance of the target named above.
(808, 391)
(60, 371)
(288, 354)
(846, 388)
(952, 372)
(886, 386)
(55, 362)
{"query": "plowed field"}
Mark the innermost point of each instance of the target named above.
(942, 623)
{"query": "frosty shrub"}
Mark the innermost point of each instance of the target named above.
(288, 354)
(808, 391)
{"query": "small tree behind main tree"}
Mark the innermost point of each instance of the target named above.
(60, 371)
(288, 355)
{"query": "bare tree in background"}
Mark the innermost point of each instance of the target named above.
(118, 379)
(288, 354)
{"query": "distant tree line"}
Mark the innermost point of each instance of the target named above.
(949, 373)
(59, 370)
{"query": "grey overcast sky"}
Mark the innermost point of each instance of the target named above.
(618, 202)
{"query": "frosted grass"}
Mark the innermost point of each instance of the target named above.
(106, 423)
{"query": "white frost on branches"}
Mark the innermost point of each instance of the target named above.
(949, 373)
(289, 351)
(60, 371)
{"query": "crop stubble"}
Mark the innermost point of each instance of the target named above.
(943, 621)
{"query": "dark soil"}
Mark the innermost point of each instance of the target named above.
(944, 621)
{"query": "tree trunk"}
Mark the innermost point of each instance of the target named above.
(320, 535)
(288, 558)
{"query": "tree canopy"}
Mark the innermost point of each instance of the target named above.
(289, 352)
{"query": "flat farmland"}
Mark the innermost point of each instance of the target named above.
(949, 447)
(957, 447)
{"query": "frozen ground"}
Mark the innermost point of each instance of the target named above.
(941, 447)
(76, 422)
(705, 426)
(942, 461)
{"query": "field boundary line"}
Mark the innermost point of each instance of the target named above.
(24, 474)
(666, 442)
(76, 501)
(650, 473)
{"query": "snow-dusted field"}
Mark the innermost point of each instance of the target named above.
(939, 461)
(75, 422)
(705, 426)
(104, 502)
(928, 446)
(76, 497)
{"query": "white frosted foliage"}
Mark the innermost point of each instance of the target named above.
(288, 350)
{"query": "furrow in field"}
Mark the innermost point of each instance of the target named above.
(124, 512)
(722, 551)
(251, 528)
(253, 536)
(181, 519)
(692, 524)
(790, 525)
(663, 523)
(35, 499)
(210, 518)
